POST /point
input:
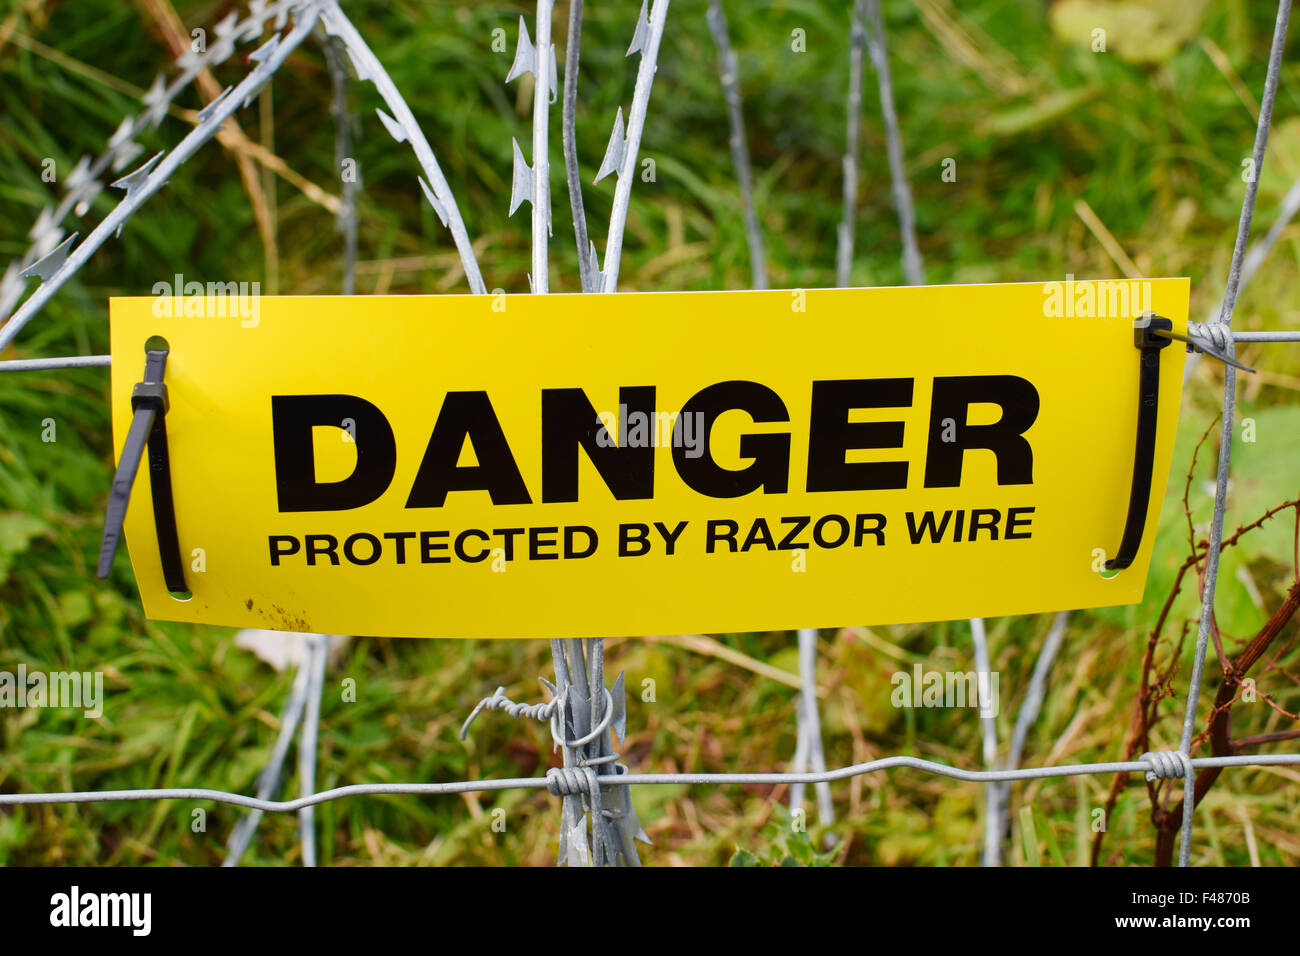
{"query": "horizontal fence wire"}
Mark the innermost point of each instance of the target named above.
(104, 361)
(1151, 766)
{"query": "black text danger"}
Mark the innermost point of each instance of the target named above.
(570, 427)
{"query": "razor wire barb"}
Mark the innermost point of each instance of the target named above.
(584, 717)
(53, 259)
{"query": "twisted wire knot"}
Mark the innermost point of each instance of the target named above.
(1216, 333)
(571, 781)
(1166, 764)
(557, 721)
(499, 701)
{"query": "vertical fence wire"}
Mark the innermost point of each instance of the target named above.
(1221, 332)
(568, 131)
(573, 837)
(314, 662)
(345, 122)
(268, 781)
(729, 72)
(989, 740)
(809, 750)
(1255, 257)
(879, 54)
(809, 747)
(566, 655)
(849, 171)
(913, 274)
(1025, 718)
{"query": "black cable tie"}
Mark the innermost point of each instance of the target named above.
(148, 429)
(1149, 339)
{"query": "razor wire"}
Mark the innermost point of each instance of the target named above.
(83, 185)
(583, 713)
(584, 716)
(55, 265)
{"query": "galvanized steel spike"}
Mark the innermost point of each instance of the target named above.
(525, 60)
(576, 854)
(642, 32)
(133, 180)
(363, 71)
(211, 109)
(521, 182)
(395, 129)
(155, 99)
(45, 267)
(555, 77)
(434, 201)
(615, 151)
(266, 50)
(227, 25)
(619, 721)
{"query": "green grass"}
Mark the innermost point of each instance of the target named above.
(1035, 121)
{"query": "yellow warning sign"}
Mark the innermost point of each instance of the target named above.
(570, 465)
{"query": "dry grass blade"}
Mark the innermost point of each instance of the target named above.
(709, 647)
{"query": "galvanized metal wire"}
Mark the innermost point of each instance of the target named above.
(569, 132)
(809, 749)
(314, 665)
(879, 54)
(729, 71)
(1225, 444)
(63, 262)
(623, 780)
(989, 742)
(268, 780)
(649, 33)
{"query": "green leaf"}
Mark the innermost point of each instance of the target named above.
(1138, 31)
(16, 532)
(1053, 848)
(74, 608)
(1029, 837)
(801, 850)
(1044, 112)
